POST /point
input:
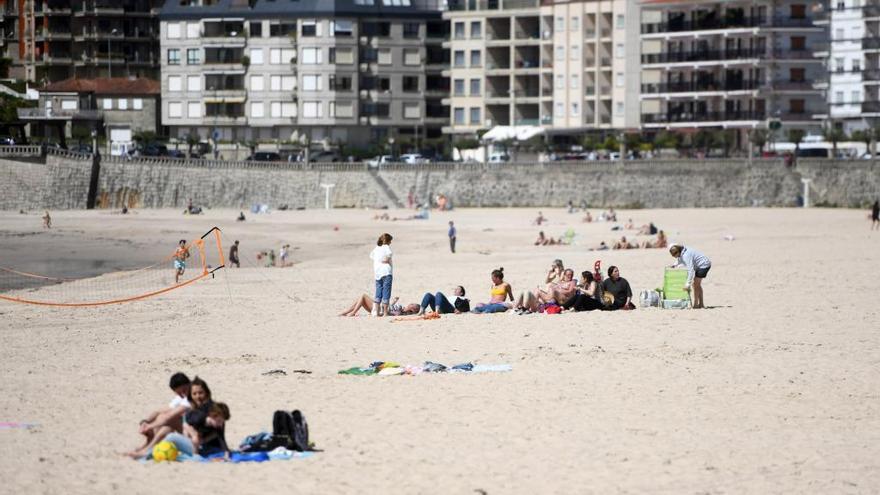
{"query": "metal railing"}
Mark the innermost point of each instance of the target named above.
(717, 23)
(696, 87)
(701, 56)
(684, 116)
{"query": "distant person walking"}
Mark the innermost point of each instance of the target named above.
(452, 234)
(875, 215)
(180, 256)
(233, 255)
(698, 265)
(382, 271)
(47, 220)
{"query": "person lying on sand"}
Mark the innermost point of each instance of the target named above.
(365, 302)
(660, 242)
(622, 244)
(542, 240)
(587, 218)
(498, 295)
(439, 303)
(648, 229)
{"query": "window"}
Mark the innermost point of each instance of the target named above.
(275, 109)
(621, 21)
(575, 23)
(574, 52)
(620, 51)
(856, 96)
(458, 60)
(280, 56)
(560, 24)
(175, 110)
(621, 81)
(312, 83)
(173, 56)
(796, 106)
(344, 56)
(311, 56)
(193, 30)
(411, 30)
(108, 104)
(412, 57)
(256, 56)
(284, 29)
(174, 83)
(382, 29)
(342, 28)
(192, 56)
(475, 115)
(839, 64)
(838, 34)
(344, 109)
(375, 109)
(575, 81)
(797, 74)
(560, 81)
(411, 84)
(799, 11)
(122, 104)
(257, 83)
(275, 83)
(412, 110)
(173, 30)
(258, 109)
(194, 83)
(194, 110)
(619, 108)
(312, 109)
(68, 105)
(838, 97)
(856, 65)
(137, 103)
(575, 110)
(384, 57)
(459, 30)
(309, 28)
(458, 87)
(458, 116)
(560, 53)
(288, 109)
(560, 109)
(475, 87)
(256, 29)
(798, 43)
(476, 30)
(476, 58)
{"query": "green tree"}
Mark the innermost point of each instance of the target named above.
(467, 143)
(864, 136)
(704, 139)
(759, 138)
(191, 140)
(589, 142)
(796, 136)
(834, 135)
(611, 143)
(633, 141)
(667, 140)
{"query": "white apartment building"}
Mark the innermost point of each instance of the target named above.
(852, 61)
(737, 64)
(560, 65)
(354, 72)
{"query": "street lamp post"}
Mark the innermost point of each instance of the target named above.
(110, 57)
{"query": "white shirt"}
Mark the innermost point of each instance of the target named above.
(380, 267)
(179, 401)
(693, 260)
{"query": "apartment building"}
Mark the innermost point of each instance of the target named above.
(359, 72)
(730, 64)
(53, 40)
(852, 61)
(566, 66)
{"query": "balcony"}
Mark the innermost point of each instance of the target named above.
(477, 5)
(51, 114)
(700, 87)
(867, 107)
(702, 56)
(870, 43)
(685, 117)
(715, 23)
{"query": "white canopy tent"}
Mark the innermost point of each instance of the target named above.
(515, 133)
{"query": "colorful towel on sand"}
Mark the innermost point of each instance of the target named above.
(279, 454)
(385, 368)
(433, 315)
(12, 425)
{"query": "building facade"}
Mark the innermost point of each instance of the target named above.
(560, 65)
(852, 62)
(738, 64)
(53, 40)
(358, 72)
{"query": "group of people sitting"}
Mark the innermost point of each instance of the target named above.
(559, 292)
(606, 216)
(192, 421)
(648, 229)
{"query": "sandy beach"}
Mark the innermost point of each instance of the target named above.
(774, 389)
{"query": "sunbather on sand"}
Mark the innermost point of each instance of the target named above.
(365, 302)
(587, 218)
(542, 240)
(660, 242)
(648, 229)
(167, 417)
(622, 244)
(499, 293)
(199, 396)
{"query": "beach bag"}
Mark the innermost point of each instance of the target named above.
(290, 430)
(552, 309)
(649, 298)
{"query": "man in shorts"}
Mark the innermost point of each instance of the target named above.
(180, 256)
(233, 255)
(698, 265)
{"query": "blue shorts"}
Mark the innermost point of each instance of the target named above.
(383, 290)
(179, 265)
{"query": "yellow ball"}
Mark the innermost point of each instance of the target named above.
(165, 451)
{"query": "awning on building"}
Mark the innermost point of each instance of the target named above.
(517, 133)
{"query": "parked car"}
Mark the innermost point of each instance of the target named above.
(614, 155)
(499, 157)
(154, 149)
(381, 160)
(264, 156)
(176, 154)
(7, 141)
(414, 158)
(324, 157)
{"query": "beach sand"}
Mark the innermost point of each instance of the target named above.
(772, 390)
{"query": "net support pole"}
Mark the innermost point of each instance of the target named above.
(327, 188)
(91, 199)
(806, 192)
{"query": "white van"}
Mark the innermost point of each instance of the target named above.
(499, 157)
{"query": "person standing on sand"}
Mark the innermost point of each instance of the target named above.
(452, 233)
(382, 272)
(180, 256)
(875, 215)
(233, 255)
(47, 220)
(698, 265)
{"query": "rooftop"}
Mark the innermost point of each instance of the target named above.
(105, 86)
(262, 9)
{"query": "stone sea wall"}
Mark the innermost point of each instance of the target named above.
(62, 183)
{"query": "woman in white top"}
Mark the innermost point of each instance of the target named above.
(382, 271)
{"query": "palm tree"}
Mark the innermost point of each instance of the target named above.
(759, 138)
(835, 135)
(864, 136)
(796, 136)
(191, 140)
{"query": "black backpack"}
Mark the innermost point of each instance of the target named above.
(290, 430)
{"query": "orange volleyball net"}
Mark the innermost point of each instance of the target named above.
(188, 263)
